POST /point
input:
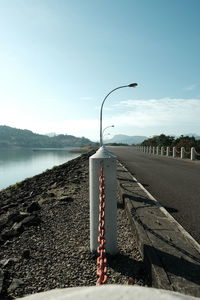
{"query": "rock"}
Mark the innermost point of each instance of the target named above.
(54, 185)
(18, 227)
(5, 207)
(26, 253)
(33, 207)
(15, 284)
(11, 205)
(8, 261)
(66, 199)
(3, 221)
(1, 280)
(51, 194)
(9, 234)
(32, 220)
(16, 217)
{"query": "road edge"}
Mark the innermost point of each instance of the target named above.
(161, 239)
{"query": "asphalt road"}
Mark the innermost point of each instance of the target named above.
(173, 182)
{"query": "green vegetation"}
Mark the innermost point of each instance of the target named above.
(170, 141)
(13, 137)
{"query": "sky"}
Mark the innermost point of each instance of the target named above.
(60, 58)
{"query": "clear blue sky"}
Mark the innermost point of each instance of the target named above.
(59, 59)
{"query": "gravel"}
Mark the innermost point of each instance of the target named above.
(54, 252)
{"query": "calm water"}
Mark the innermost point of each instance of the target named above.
(16, 165)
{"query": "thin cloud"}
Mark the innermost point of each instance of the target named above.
(157, 112)
(86, 98)
(192, 87)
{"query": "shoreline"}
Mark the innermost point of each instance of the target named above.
(45, 235)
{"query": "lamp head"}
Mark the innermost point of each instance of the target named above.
(132, 85)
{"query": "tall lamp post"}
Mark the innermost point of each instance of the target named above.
(104, 161)
(101, 111)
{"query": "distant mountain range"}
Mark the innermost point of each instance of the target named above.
(126, 139)
(18, 138)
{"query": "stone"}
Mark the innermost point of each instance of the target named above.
(32, 220)
(16, 217)
(14, 284)
(8, 261)
(33, 207)
(26, 253)
(1, 280)
(66, 199)
(9, 234)
(3, 221)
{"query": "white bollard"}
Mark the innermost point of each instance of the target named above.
(174, 151)
(168, 151)
(153, 150)
(157, 150)
(162, 150)
(103, 158)
(150, 150)
(193, 156)
(182, 152)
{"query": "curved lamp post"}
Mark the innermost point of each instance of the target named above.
(107, 133)
(101, 111)
(107, 127)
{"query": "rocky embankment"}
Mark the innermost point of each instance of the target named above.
(44, 235)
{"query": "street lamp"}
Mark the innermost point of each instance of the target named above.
(120, 87)
(108, 127)
(104, 131)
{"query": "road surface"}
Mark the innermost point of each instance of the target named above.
(173, 182)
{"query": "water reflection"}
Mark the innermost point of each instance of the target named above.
(16, 165)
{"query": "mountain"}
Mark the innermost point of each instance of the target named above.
(13, 137)
(197, 137)
(126, 139)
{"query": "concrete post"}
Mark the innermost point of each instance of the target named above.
(103, 158)
(162, 150)
(150, 150)
(153, 150)
(182, 152)
(168, 151)
(193, 156)
(174, 151)
(157, 150)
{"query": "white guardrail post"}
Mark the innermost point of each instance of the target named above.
(162, 151)
(193, 156)
(153, 150)
(174, 151)
(182, 152)
(157, 150)
(168, 151)
(103, 158)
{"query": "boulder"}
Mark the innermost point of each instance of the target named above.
(33, 207)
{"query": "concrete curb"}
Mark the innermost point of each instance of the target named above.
(170, 253)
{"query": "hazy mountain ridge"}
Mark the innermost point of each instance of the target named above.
(126, 139)
(12, 137)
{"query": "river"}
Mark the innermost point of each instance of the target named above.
(16, 165)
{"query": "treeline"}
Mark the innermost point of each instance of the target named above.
(13, 137)
(170, 141)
